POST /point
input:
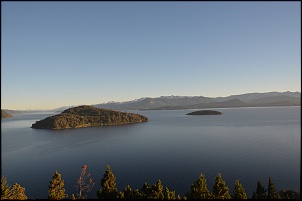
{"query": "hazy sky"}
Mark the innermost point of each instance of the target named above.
(56, 54)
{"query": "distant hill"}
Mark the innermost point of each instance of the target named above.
(228, 103)
(4, 114)
(13, 111)
(194, 102)
(87, 116)
(147, 103)
(274, 99)
(263, 102)
(248, 97)
(26, 111)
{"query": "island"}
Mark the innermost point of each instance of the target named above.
(5, 114)
(87, 116)
(204, 112)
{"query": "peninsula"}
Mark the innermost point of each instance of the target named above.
(87, 116)
(204, 112)
(5, 114)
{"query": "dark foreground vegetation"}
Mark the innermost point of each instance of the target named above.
(108, 190)
(86, 116)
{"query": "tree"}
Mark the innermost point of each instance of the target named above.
(18, 192)
(199, 189)
(56, 190)
(84, 184)
(220, 189)
(137, 194)
(145, 191)
(109, 190)
(239, 192)
(6, 192)
(260, 191)
(289, 194)
(169, 195)
(157, 191)
(127, 193)
(272, 192)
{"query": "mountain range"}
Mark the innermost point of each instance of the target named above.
(194, 102)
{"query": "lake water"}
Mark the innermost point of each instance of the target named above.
(247, 144)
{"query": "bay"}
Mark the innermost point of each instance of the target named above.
(246, 144)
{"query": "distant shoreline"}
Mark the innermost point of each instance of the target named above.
(219, 107)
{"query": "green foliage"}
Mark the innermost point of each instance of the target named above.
(239, 192)
(56, 190)
(289, 194)
(6, 192)
(84, 184)
(272, 192)
(137, 194)
(145, 191)
(260, 192)
(199, 189)
(169, 195)
(220, 189)
(128, 193)
(108, 190)
(18, 192)
(85, 116)
(157, 191)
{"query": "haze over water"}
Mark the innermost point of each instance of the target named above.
(248, 144)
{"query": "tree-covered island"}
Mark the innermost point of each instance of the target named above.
(204, 112)
(87, 116)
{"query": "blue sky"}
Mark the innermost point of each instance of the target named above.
(56, 54)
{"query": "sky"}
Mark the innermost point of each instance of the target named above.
(56, 54)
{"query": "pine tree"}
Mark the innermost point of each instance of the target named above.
(84, 184)
(146, 191)
(18, 192)
(6, 192)
(109, 190)
(272, 192)
(239, 192)
(137, 194)
(56, 190)
(169, 195)
(220, 189)
(289, 194)
(157, 191)
(127, 193)
(199, 189)
(260, 192)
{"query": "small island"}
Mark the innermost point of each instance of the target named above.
(204, 112)
(87, 116)
(5, 114)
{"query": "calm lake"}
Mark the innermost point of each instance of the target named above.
(247, 144)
